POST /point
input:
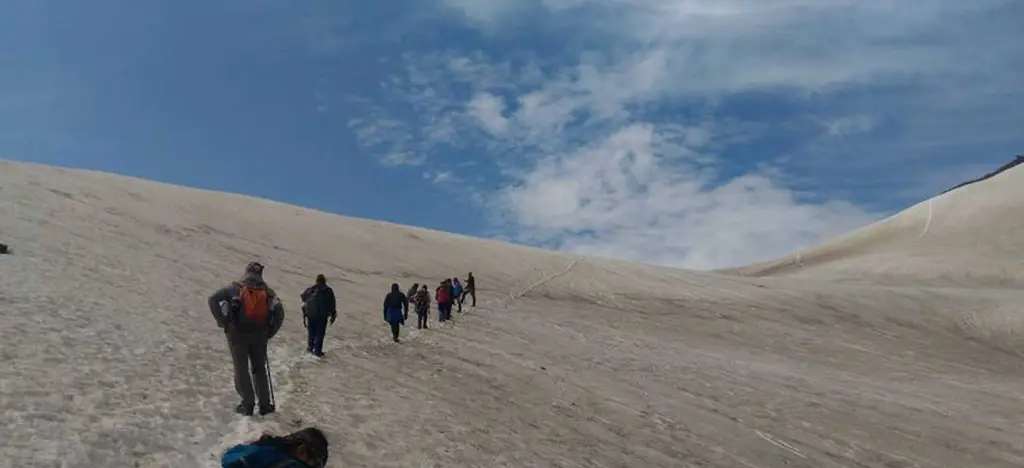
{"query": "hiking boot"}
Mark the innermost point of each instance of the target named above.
(319, 353)
(265, 410)
(244, 409)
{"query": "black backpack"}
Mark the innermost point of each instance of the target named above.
(314, 305)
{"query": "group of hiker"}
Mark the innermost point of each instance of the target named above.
(251, 314)
(447, 294)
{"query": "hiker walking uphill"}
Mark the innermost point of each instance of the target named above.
(422, 301)
(250, 313)
(443, 296)
(396, 310)
(318, 306)
(470, 288)
(457, 293)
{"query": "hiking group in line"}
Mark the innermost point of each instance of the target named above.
(251, 314)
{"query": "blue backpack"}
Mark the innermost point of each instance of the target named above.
(258, 456)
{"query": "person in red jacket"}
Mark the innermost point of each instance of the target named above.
(444, 297)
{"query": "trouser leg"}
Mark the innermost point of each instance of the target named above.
(310, 335)
(394, 331)
(258, 356)
(240, 361)
(321, 334)
(319, 329)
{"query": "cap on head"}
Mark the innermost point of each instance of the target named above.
(394, 286)
(254, 267)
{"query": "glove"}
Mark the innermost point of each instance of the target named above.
(333, 317)
(305, 323)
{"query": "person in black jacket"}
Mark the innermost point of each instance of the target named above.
(318, 306)
(422, 301)
(470, 289)
(396, 310)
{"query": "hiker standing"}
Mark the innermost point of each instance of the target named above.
(470, 288)
(396, 310)
(318, 306)
(443, 296)
(422, 301)
(251, 314)
(457, 293)
(301, 449)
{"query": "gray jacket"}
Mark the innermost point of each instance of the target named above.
(232, 291)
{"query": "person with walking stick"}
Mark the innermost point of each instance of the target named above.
(250, 314)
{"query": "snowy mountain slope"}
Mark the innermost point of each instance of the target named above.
(970, 237)
(111, 358)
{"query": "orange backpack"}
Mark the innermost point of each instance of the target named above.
(254, 303)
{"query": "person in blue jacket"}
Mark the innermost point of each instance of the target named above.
(307, 448)
(396, 310)
(457, 292)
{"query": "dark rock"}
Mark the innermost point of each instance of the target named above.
(1016, 161)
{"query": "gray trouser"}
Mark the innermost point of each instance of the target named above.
(246, 349)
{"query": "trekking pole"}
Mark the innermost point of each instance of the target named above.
(270, 382)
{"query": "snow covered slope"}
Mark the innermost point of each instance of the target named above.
(972, 236)
(111, 359)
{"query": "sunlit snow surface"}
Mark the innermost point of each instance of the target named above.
(898, 346)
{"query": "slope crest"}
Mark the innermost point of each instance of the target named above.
(971, 237)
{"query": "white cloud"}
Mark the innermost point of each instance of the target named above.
(444, 177)
(625, 152)
(486, 14)
(488, 109)
(639, 195)
(851, 125)
(403, 159)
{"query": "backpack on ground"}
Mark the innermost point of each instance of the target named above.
(253, 306)
(257, 456)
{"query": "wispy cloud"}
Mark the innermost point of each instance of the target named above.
(487, 109)
(851, 125)
(705, 133)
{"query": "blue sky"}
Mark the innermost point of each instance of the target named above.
(690, 133)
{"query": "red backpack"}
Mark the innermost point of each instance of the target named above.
(254, 304)
(442, 294)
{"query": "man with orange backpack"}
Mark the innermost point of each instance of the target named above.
(250, 314)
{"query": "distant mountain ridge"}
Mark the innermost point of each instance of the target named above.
(1016, 161)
